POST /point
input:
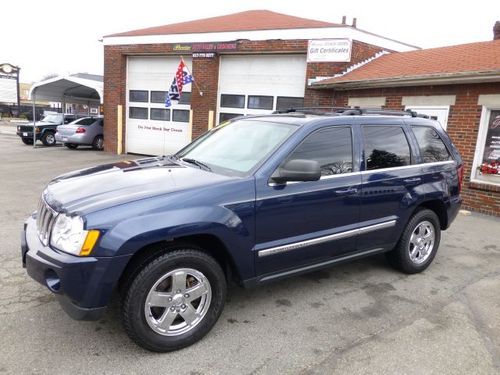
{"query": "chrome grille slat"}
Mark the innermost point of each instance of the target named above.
(44, 221)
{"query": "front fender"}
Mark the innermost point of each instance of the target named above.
(130, 235)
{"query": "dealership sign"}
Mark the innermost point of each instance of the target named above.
(329, 50)
(8, 84)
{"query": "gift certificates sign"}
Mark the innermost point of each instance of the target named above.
(329, 50)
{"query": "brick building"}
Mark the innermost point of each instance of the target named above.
(458, 85)
(259, 61)
(245, 63)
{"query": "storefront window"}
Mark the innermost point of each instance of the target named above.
(488, 153)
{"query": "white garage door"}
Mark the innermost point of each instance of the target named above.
(439, 113)
(251, 84)
(151, 128)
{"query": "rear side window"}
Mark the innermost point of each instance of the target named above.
(386, 147)
(86, 121)
(331, 147)
(432, 148)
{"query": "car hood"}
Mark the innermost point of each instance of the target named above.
(109, 185)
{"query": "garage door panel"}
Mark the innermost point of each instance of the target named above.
(147, 136)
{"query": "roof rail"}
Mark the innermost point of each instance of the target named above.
(350, 111)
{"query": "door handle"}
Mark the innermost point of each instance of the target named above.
(412, 180)
(347, 191)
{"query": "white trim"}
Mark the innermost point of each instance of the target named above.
(285, 34)
(330, 237)
(429, 100)
(481, 140)
(489, 100)
(373, 101)
(424, 109)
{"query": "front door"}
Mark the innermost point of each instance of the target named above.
(300, 223)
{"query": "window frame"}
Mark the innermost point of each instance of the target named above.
(418, 147)
(138, 101)
(479, 147)
(325, 128)
(408, 141)
(138, 118)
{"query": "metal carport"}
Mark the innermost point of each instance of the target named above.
(80, 88)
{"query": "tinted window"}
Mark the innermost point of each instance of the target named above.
(138, 96)
(232, 101)
(331, 147)
(158, 96)
(432, 148)
(86, 121)
(160, 114)
(260, 102)
(185, 98)
(385, 147)
(180, 115)
(227, 116)
(139, 113)
(286, 102)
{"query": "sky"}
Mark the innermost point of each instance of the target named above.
(62, 37)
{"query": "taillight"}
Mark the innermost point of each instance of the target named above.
(80, 130)
(460, 173)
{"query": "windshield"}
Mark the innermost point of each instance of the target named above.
(54, 118)
(237, 147)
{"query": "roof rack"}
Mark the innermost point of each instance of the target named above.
(350, 111)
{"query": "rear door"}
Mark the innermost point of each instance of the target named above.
(391, 183)
(300, 223)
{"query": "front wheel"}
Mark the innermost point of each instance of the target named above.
(48, 139)
(174, 300)
(418, 243)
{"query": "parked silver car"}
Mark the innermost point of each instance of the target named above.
(84, 131)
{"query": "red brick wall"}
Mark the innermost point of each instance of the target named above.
(463, 127)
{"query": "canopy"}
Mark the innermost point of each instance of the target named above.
(78, 88)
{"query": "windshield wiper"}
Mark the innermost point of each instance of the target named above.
(197, 163)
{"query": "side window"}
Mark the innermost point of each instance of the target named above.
(432, 148)
(331, 147)
(86, 121)
(385, 147)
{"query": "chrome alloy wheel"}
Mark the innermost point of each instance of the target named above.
(421, 242)
(178, 302)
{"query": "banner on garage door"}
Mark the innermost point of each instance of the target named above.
(329, 50)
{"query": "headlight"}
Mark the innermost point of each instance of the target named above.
(69, 236)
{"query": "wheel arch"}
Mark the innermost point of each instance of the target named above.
(207, 243)
(439, 208)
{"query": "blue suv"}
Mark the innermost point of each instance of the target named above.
(253, 200)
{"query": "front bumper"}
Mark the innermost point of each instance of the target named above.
(28, 135)
(82, 285)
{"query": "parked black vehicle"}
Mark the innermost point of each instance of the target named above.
(256, 199)
(45, 129)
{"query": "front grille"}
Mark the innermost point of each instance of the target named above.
(44, 221)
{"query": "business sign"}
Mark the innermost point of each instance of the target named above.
(8, 84)
(329, 50)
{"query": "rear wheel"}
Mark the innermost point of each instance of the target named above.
(174, 300)
(27, 141)
(71, 146)
(418, 244)
(48, 139)
(98, 143)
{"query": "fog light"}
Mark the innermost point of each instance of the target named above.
(52, 281)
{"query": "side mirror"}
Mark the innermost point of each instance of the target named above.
(297, 170)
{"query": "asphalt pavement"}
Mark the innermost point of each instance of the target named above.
(358, 318)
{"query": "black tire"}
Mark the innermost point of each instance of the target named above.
(400, 257)
(98, 143)
(27, 141)
(71, 146)
(134, 302)
(48, 139)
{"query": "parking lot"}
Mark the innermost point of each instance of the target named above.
(359, 318)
